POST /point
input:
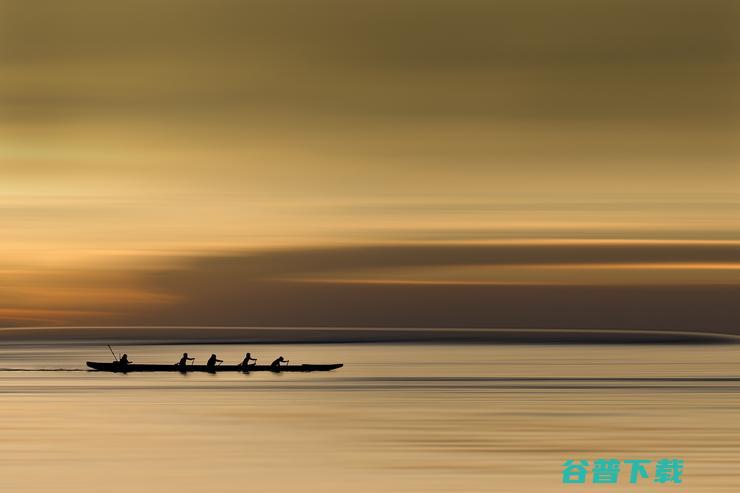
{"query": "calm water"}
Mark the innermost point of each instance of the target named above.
(395, 418)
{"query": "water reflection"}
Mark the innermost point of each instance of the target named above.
(395, 418)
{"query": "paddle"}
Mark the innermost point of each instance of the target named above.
(111, 352)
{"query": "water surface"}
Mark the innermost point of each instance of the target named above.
(397, 417)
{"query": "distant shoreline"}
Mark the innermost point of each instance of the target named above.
(338, 335)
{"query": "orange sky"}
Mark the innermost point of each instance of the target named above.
(141, 145)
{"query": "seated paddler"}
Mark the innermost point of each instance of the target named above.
(247, 359)
(212, 361)
(278, 362)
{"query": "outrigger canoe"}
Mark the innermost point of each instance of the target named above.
(118, 368)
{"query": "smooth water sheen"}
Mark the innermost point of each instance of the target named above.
(422, 418)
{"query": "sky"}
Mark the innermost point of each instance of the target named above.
(537, 163)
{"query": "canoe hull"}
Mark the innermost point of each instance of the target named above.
(115, 367)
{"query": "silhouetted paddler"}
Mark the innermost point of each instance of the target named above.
(124, 360)
(247, 359)
(277, 362)
(184, 360)
(212, 361)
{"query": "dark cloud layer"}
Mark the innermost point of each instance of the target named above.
(300, 262)
(262, 290)
(329, 287)
(692, 308)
